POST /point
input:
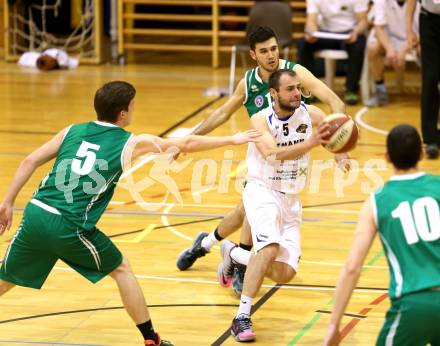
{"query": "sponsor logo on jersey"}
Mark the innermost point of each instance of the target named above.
(254, 88)
(302, 128)
(289, 143)
(259, 101)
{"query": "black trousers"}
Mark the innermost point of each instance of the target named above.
(355, 53)
(430, 47)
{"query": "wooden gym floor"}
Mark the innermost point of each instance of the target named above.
(189, 308)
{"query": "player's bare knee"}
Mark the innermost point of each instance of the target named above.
(123, 268)
(269, 252)
(288, 275)
(282, 273)
(240, 210)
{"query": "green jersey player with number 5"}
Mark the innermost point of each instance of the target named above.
(60, 220)
(406, 215)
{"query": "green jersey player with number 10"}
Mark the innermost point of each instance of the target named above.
(406, 215)
(60, 220)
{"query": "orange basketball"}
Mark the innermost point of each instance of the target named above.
(343, 133)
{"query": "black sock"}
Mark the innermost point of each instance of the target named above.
(246, 247)
(147, 331)
(217, 236)
(379, 82)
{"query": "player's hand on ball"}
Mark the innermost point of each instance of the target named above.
(246, 137)
(318, 137)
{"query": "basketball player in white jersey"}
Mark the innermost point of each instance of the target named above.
(277, 172)
(250, 91)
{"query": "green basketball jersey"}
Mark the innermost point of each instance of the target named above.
(257, 90)
(84, 176)
(408, 220)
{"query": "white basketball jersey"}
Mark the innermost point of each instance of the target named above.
(285, 176)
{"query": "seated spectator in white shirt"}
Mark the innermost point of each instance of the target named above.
(387, 44)
(337, 16)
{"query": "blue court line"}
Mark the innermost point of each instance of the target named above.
(45, 343)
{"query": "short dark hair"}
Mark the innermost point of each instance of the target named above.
(274, 79)
(404, 146)
(260, 34)
(112, 98)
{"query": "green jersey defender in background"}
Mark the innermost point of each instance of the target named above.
(257, 90)
(406, 214)
(59, 222)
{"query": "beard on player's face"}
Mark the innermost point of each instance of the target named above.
(288, 105)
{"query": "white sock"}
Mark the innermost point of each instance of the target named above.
(245, 306)
(209, 241)
(240, 255)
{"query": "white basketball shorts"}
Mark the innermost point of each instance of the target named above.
(274, 217)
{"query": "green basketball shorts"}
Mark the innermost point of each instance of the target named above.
(44, 237)
(413, 320)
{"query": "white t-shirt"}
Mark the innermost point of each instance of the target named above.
(337, 15)
(390, 14)
(29, 59)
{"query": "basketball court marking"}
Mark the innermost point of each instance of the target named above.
(139, 238)
(350, 325)
(159, 227)
(225, 206)
(109, 308)
(318, 315)
(191, 115)
(165, 222)
(227, 334)
(340, 264)
(360, 121)
(299, 287)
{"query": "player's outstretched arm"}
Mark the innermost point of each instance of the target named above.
(145, 144)
(224, 112)
(362, 240)
(319, 89)
(40, 156)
